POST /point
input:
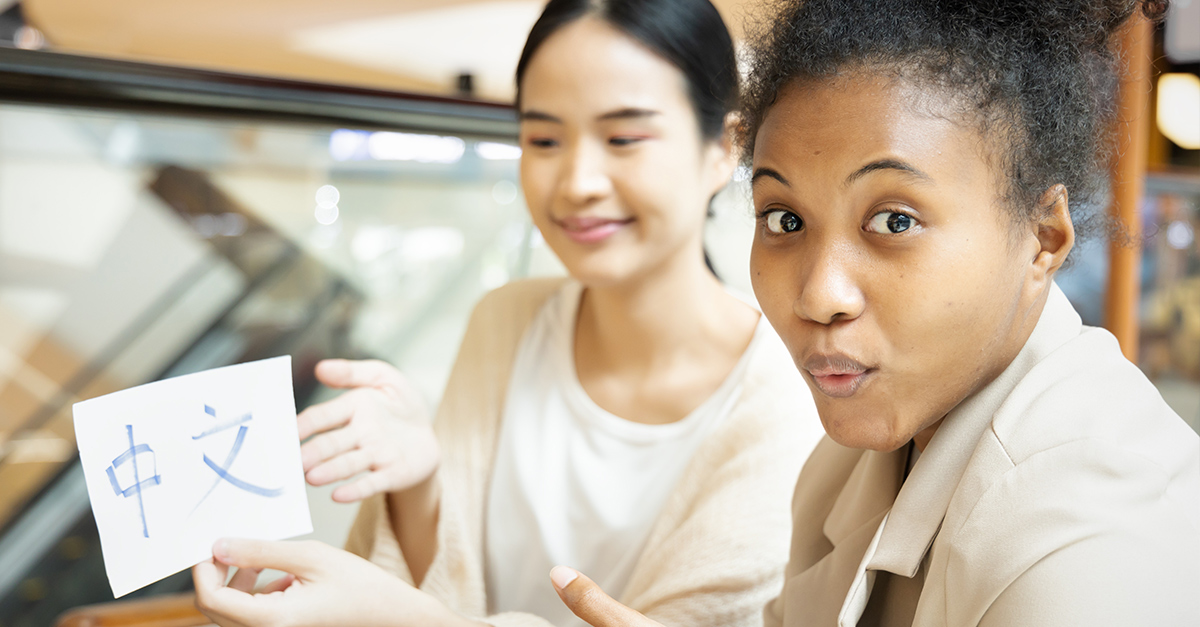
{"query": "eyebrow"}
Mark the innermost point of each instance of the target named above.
(629, 112)
(539, 116)
(887, 164)
(619, 114)
(768, 173)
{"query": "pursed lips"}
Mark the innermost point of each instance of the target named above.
(837, 374)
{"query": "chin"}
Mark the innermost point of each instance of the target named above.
(602, 270)
(850, 429)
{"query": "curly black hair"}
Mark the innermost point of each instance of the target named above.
(1035, 77)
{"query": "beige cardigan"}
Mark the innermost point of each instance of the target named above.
(1065, 492)
(716, 552)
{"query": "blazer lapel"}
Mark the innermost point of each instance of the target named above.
(815, 595)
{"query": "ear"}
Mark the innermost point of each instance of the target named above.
(720, 155)
(1055, 237)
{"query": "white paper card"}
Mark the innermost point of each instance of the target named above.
(172, 466)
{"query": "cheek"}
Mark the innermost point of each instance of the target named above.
(663, 184)
(943, 302)
(775, 289)
(537, 182)
(943, 334)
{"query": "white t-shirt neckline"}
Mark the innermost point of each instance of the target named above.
(573, 484)
(634, 432)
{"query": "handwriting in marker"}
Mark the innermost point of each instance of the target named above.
(130, 456)
(222, 470)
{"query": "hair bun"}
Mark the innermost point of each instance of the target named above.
(1084, 23)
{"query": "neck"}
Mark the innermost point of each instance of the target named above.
(649, 318)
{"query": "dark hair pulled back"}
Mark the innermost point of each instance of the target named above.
(690, 34)
(1037, 78)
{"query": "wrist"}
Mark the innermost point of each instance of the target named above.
(414, 519)
(434, 612)
(421, 498)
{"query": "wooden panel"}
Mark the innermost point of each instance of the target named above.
(176, 610)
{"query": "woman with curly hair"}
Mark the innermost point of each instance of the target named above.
(921, 171)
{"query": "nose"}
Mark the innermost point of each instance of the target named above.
(585, 178)
(828, 292)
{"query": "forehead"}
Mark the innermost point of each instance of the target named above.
(588, 68)
(826, 126)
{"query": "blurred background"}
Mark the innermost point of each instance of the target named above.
(187, 185)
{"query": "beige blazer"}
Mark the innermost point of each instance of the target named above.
(716, 552)
(1065, 492)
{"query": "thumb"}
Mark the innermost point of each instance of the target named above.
(345, 373)
(583, 597)
(302, 559)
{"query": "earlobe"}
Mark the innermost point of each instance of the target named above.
(1055, 233)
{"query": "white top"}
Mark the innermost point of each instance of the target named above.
(572, 483)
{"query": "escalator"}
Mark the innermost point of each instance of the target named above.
(159, 221)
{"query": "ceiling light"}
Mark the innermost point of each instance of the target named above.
(1179, 109)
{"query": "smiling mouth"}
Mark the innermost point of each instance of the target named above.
(837, 375)
(591, 230)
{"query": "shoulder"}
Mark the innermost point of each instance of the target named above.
(1085, 411)
(503, 314)
(770, 431)
(1085, 476)
(523, 296)
(1088, 532)
(773, 425)
(1086, 389)
(773, 391)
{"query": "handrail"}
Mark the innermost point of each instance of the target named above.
(90, 82)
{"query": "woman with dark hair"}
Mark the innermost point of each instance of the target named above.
(921, 170)
(635, 420)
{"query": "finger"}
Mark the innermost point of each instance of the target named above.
(212, 597)
(231, 608)
(209, 574)
(326, 446)
(344, 373)
(325, 416)
(244, 579)
(366, 486)
(591, 604)
(340, 467)
(279, 585)
(303, 559)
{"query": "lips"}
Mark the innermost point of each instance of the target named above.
(836, 374)
(590, 230)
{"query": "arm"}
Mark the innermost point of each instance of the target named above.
(466, 428)
(414, 518)
(380, 433)
(1113, 578)
(1106, 541)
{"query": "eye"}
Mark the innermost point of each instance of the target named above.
(779, 221)
(624, 140)
(541, 142)
(890, 222)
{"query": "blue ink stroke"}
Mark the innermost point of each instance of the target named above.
(130, 455)
(224, 475)
(229, 424)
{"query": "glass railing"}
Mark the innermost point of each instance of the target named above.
(155, 222)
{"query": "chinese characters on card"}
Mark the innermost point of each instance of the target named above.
(174, 465)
